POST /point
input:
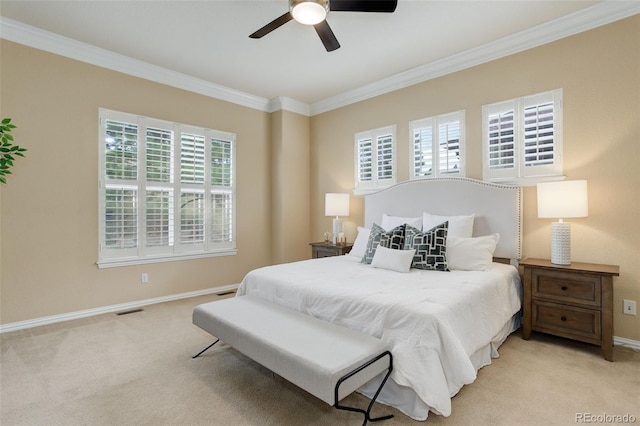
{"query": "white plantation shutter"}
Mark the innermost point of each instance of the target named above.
(542, 128)
(422, 155)
(146, 213)
(446, 157)
(500, 149)
(120, 221)
(385, 157)
(221, 217)
(538, 135)
(160, 170)
(364, 157)
(192, 161)
(522, 138)
(118, 226)
(375, 166)
(159, 218)
(191, 217)
(121, 150)
(450, 134)
(221, 163)
(159, 155)
(221, 223)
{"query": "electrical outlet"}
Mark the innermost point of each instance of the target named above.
(629, 307)
(144, 278)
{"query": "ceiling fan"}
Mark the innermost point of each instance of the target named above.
(314, 12)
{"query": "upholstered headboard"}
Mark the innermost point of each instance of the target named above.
(497, 208)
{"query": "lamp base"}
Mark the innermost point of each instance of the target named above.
(561, 243)
(337, 229)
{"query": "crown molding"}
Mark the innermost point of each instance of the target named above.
(289, 104)
(600, 14)
(587, 19)
(50, 42)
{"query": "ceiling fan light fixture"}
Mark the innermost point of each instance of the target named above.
(309, 12)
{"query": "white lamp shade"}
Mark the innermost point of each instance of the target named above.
(336, 204)
(563, 200)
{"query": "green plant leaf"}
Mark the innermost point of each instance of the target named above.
(7, 148)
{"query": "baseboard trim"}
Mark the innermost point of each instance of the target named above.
(22, 325)
(621, 341)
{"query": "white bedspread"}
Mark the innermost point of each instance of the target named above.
(433, 320)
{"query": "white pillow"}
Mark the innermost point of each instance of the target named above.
(459, 226)
(392, 259)
(360, 244)
(390, 222)
(471, 254)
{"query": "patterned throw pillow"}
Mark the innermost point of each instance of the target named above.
(393, 239)
(430, 246)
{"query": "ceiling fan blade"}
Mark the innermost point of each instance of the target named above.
(326, 35)
(385, 6)
(276, 23)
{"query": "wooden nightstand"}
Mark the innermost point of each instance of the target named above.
(573, 301)
(323, 249)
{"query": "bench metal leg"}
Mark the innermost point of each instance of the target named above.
(205, 349)
(367, 413)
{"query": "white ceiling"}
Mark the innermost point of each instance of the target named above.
(209, 39)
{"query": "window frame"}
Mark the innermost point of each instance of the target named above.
(376, 182)
(435, 123)
(142, 251)
(520, 172)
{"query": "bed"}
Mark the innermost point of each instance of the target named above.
(443, 324)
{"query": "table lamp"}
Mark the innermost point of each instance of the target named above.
(562, 200)
(336, 205)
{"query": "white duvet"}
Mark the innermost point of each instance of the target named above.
(434, 321)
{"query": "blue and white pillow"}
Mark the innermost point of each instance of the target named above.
(430, 247)
(393, 239)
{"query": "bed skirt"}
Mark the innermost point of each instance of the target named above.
(407, 401)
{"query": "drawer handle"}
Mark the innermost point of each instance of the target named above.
(563, 288)
(563, 318)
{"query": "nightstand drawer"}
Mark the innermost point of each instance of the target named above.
(325, 252)
(581, 324)
(323, 249)
(566, 287)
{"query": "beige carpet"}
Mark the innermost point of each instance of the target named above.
(137, 369)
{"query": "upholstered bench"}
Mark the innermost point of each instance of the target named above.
(326, 360)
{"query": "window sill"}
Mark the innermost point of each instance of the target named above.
(529, 181)
(114, 263)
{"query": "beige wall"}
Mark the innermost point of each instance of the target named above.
(49, 218)
(599, 71)
(290, 179)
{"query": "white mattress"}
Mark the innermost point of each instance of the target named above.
(437, 323)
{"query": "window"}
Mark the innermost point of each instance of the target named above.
(375, 159)
(438, 146)
(522, 138)
(167, 190)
